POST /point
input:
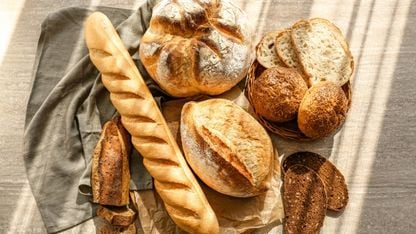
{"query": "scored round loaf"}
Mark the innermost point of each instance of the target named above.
(277, 93)
(226, 147)
(322, 110)
(196, 47)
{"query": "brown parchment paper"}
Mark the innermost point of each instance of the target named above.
(235, 215)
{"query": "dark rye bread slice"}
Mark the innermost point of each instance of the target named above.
(334, 181)
(304, 200)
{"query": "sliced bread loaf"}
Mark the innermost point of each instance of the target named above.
(266, 52)
(322, 51)
(304, 200)
(285, 49)
(332, 178)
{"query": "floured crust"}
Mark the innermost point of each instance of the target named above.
(226, 147)
(196, 47)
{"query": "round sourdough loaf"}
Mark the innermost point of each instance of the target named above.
(322, 110)
(277, 93)
(226, 147)
(196, 47)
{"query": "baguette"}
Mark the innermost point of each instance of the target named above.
(174, 181)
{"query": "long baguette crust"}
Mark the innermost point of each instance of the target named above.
(174, 181)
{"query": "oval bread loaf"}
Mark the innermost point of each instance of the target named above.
(226, 147)
(177, 186)
(196, 47)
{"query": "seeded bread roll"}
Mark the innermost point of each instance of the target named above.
(322, 110)
(304, 201)
(226, 147)
(196, 47)
(266, 53)
(277, 93)
(334, 181)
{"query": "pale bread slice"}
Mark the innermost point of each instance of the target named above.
(266, 53)
(322, 51)
(304, 200)
(285, 49)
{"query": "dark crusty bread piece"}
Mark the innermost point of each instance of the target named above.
(277, 93)
(117, 215)
(335, 186)
(226, 147)
(322, 51)
(111, 229)
(266, 53)
(304, 200)
(322, 110)
(110, 177)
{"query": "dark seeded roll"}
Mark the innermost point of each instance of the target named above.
(334, 181)
(304, 200)
(277, 93)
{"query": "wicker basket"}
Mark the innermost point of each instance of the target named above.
(289, 129)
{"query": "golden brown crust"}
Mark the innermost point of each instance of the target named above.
(194, 47)
(322, 110)
(177, 186)
(277, 93)
(226, 147)
(110, 177)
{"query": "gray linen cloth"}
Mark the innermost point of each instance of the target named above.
(67, 107)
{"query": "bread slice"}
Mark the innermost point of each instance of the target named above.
(266, 52)
(304, 200)
(117, 215)
(285, 49)
(332, 178)
(322, 51)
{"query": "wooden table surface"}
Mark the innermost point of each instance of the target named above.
(375, 148)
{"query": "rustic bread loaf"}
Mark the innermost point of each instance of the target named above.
(226, 147)
(322, 51)
(335, 186)
(304, 200)
(110, 172)
(266, 53)
(196, 47)
(177, 186)
(322, 110)
(277, 93)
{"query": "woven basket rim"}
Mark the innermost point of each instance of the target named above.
(286, 129)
